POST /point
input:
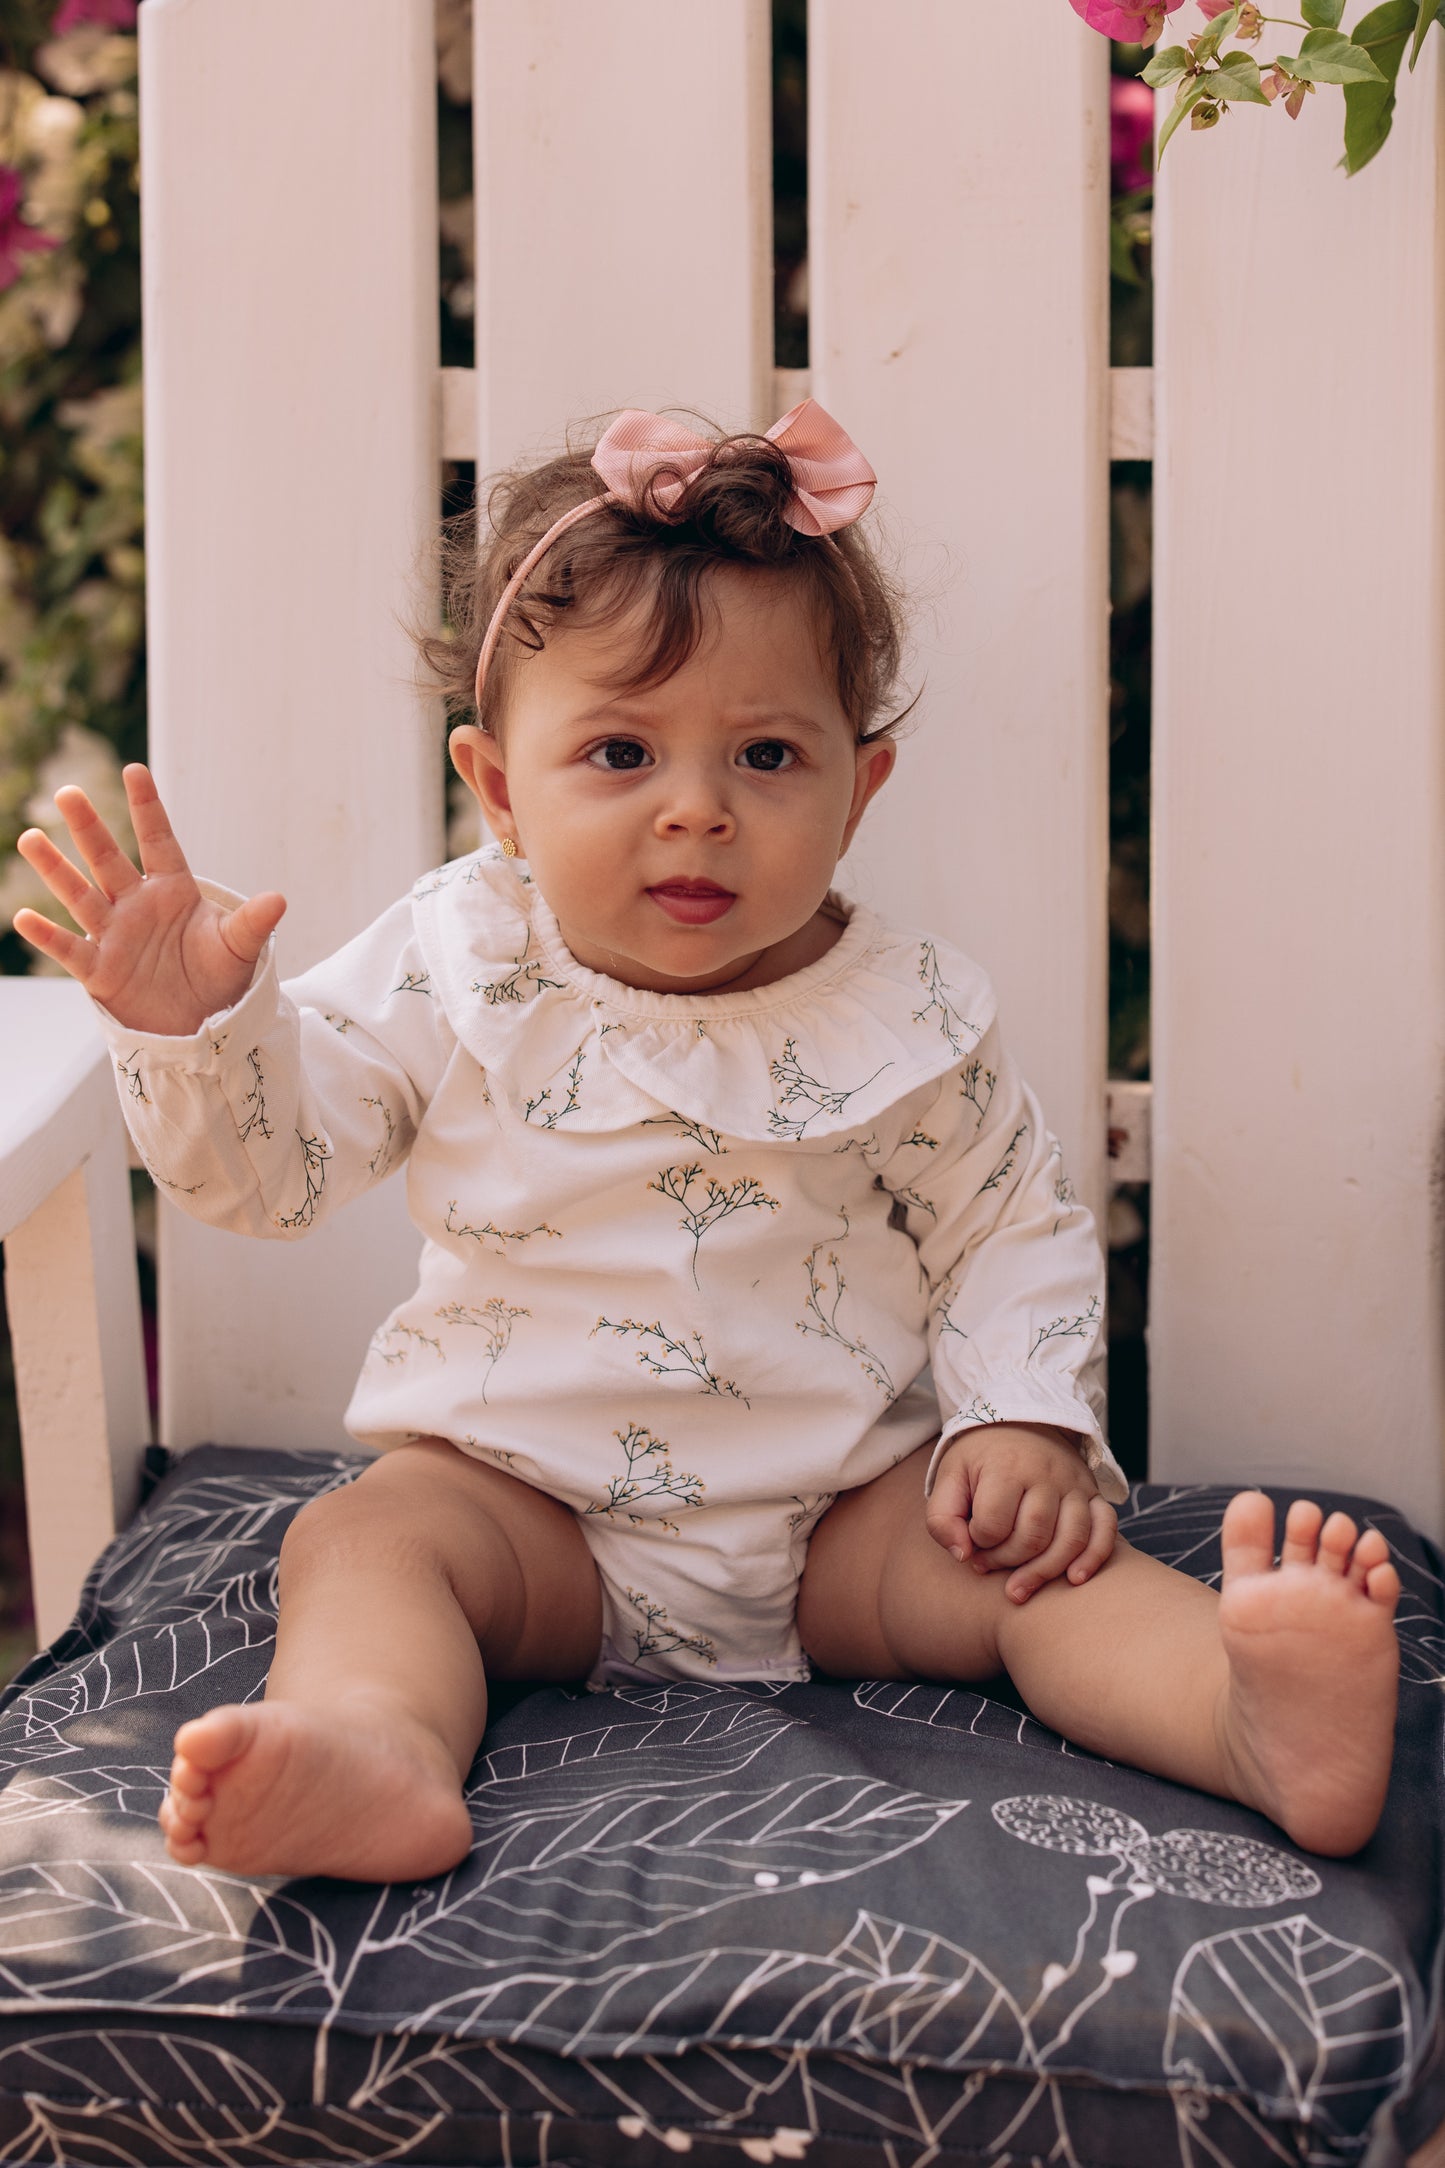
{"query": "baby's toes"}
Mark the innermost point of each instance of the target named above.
(1337, 1543)
(1301, 1533)
(185, 1841)
(189, 1810)
(1247, 1535)
(187, 1781)
(1382, 1586)
(1372, 1550)
(209, 1742)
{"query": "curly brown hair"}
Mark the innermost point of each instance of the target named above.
(731, 513)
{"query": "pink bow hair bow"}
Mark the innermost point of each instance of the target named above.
(832, 481)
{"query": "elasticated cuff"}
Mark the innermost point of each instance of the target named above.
(1004, 1404)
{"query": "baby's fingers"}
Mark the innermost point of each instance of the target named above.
(66, 949)
(1103, 1531)
(67, 884)
(1073, 1532)
(946, 1511)
(1012, 1522)
(251, 925)
(159, 850)
(111, 870)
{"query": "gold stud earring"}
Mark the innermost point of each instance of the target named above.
(509, 848)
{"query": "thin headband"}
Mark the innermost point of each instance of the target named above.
(832, 484)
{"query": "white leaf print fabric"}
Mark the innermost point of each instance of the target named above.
(685, 1257)
(1016, 1296)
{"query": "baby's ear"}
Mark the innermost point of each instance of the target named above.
(467, 745)
(477, 758)
(875, 765)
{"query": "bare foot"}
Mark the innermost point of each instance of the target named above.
(359, 1790)
(1308, 1723)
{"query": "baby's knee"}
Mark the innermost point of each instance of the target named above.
(350, 1527)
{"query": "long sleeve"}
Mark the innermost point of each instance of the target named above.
(300, 1096)
(1014, 1271)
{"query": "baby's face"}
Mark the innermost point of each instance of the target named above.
(685, 836)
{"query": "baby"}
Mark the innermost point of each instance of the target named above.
(709, 1164)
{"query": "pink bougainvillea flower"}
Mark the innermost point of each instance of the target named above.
(1278, 84)
(1250, 23)
(110, 14)
(1131, 133)
(15, 236)
(1137, 25)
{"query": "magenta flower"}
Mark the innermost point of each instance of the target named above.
(1249, 25)
(1131, 133)
(15, 236)
(1136, 25)
(109, 14)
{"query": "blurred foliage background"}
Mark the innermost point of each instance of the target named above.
(72, 568)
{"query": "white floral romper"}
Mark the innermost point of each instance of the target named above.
(686, 1255)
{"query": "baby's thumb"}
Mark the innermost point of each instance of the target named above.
(946, 1512)
(251, 925)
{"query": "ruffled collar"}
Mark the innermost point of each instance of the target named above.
(824, 1050)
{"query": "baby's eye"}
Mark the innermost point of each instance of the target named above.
(618, 755)
(765, 756)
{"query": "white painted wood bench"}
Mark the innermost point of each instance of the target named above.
(958, 280)
(71, 1287)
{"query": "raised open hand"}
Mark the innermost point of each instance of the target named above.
(159, 955)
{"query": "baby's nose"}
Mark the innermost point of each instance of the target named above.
(695, 806)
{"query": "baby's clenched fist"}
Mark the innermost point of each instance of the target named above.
(1017, 1498)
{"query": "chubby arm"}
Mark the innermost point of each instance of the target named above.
(257, 1108)
(1022, 1472)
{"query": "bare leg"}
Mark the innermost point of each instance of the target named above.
(398, 1595)
(1280, 1692)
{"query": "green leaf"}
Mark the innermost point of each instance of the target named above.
(1328, 56)
(1165, 66)
(1237, 78)
(1188, 97)
(1423, 21)
(1370, 107)
(1393, 18)
(1322, 14)
(1122, 264)
(1207, 44)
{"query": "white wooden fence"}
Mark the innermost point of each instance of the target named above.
(958, 290)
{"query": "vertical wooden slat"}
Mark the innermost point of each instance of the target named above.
(1296, 1305)
(958, 285)
(624, 214)
(289, 202)
(71, 1293)
(70, 1286)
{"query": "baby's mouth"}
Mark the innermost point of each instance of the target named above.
(692, 902)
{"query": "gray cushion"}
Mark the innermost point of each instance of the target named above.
(830, 1923)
